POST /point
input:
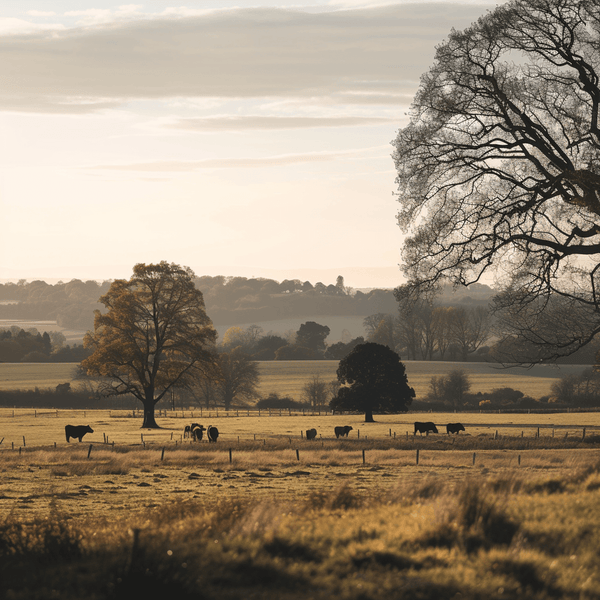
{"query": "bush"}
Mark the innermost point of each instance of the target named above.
(274, 401)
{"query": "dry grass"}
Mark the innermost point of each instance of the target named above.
(510, 534)
(288, 377)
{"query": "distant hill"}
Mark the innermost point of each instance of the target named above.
(275, 306)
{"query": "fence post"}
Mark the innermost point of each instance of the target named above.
(89, 450)
(297, 454)
(519, 459)
(363, 453)
(583, 435)
(230, 456)
(24, 444)
(417, 456)
(162, 454)
(474, 456)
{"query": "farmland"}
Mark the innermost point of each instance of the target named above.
(509, 508)
(288, 377)
(264, 513)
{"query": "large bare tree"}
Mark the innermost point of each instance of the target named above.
(499, 170)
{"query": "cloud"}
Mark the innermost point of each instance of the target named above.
(41, 13)
(232, 163)
(242, 53)
(10, 26)
(256, 122)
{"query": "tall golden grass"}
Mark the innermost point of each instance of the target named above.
(485, 535)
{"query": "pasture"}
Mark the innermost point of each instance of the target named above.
(287, 378)
(497, 511)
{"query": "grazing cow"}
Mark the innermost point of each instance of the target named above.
(311, 434)
(197, 431)
(454, 428)
(187, 430)
(342, 431)
(212, 433)
(77, 431)
(425, 427)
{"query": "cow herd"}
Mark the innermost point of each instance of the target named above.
(195, 431)
(428, 426)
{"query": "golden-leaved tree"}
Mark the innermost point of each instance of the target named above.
(155, 336)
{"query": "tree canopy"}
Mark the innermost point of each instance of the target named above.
(154, 336)
(375, 381)
(499, 170)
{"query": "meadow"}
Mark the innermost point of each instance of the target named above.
(287, 378)
(508, 509)
(264, 513)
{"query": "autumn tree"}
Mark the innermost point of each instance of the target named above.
(238, 377)
(451, 388)
(315, 391)
(374, 380)
(154, 336)
(498, 171)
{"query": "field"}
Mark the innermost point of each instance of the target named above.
(498, 511)
(288, 377)
(508, 509)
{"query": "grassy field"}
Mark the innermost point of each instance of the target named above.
(288, 377)
(266, 514)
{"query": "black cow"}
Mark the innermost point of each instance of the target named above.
(342, 431)
(197, 431)
(311, 434)
(212, 433)
(77, 431)
(454, 428)
(425, 427)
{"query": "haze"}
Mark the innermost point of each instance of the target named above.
(232, 137)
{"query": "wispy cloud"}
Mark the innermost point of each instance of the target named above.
(256, 122)
(243, 53)
(233, 163)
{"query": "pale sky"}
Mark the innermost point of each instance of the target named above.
(237, 138)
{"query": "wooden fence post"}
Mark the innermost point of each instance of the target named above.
(230, 456)
(162, 454)
(89, 450)
(474, 456)
(297, 454)
(417, 456)
(363, 453)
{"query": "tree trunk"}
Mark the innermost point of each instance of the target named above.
(149, 420)
(369, 417)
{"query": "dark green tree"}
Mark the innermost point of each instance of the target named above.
(312, 335)
(375, 381)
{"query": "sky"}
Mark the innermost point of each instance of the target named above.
(240, 138)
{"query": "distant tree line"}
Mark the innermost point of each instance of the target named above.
(20, 345)
(228, 300)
